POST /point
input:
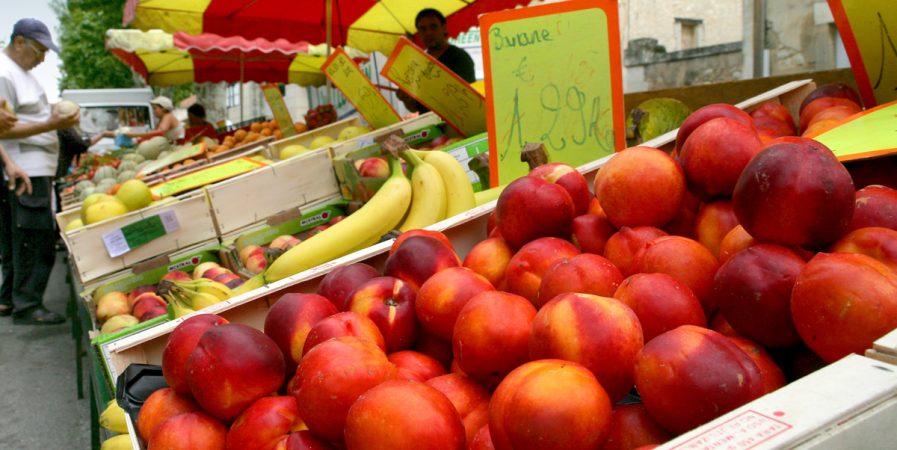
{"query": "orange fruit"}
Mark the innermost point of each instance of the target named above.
(255, 127)
(240, 135)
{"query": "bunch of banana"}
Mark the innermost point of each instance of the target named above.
(113, 418)
(383, 212)
(428, 194)
(458, 191)
(186, 297)
(118, 442)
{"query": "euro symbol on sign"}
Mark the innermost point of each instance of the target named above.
(522, 72)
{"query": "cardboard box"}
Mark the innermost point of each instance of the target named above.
(90, 253)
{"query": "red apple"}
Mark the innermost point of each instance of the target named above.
(684, 259)
(161, 405)
(583, 273)
(529, 264)
(568, 178)
(177, 275)
(876, 206)
(264, 422)
(441, 298)
(470, 400)
(591, 232)
(374, 167)
(346, 323)
(418, 258)
(180, 345)
(291, 318)
(415, 366)
(714, 221)
(631, 426)
(661, 303)
(809, 112)
(530, 208)
(623, 246)
(438, 235)
(490, 259)
(705, 114)
(301, 440)
(341, 281)
(839, 90)
(876, 242)
(715, 154)
(775, 111)
(146, 303)
(389, 303)
(189, 431)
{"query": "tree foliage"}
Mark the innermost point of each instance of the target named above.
(86, 64)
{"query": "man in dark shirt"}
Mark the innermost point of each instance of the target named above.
(430, 25)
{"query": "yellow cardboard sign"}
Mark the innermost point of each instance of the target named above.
(279, 109)
(358, 89)
(176, 156)
(868, 29)
(553, 76)
(435, 86)
(867, 134)
(206, 176)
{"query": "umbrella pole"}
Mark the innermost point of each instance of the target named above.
(328, 16)
(241, 88)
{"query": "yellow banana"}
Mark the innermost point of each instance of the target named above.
(487, 195)
(428, 195)
(119, 442)
(383, 211)
(250, 285)
(459, 192)
(113, 418)
(205, 285)
(180, 309)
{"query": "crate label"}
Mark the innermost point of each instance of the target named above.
(193, 261)
(131, 236)
(206, 176)
(746, 430)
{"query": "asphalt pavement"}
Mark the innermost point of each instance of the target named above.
(38, 393)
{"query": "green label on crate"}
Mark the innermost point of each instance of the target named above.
(134, 235)
(206, 176)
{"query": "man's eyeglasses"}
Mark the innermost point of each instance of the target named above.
(38, 51)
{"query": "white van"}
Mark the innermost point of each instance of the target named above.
(111, 109)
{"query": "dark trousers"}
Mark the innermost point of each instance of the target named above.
(28, 244)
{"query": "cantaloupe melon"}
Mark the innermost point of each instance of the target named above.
(125, 166)
(81, 186)
(151, 148)
(125, 176)
(103, 173)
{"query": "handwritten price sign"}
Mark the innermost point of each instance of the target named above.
(554, 76)
(279, 109)
(868, 29)
(435, 86)
(359, 90)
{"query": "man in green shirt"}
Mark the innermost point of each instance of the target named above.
(430, 25)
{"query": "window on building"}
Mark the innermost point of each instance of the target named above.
(233, 95)
(688, 32)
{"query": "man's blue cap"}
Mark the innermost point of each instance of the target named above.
(36, 30)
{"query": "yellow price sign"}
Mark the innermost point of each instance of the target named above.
(203, 177)
(279, 109)
(435, 86)
(868, 29)
(866, 134)
(553, 76)
(358, 89)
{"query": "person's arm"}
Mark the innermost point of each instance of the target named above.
(410, 103)
(15, 173)
(7, 119)
(22, 130)
(168, 122)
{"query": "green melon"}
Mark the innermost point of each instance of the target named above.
(86, 193)
(103, 173)
(125, 176)
(127, 166)
(151, 148)
(137, 158)
(82, 185)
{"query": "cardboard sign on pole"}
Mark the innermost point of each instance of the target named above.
(867, 134)
(435, 86)
(553, 75)
(868, 30)
(279, 109)
(358, 89)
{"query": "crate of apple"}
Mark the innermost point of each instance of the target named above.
(256, 258)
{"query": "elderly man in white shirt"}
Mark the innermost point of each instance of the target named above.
(28, 234)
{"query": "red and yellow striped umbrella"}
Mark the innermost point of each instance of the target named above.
(368, 25)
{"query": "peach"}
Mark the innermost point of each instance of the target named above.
(769, 129)
(631, 426)
(777, 112)
(568, 178)
(640, 186)
(491, 335)
(715, 220)
(601, 333)
(177, 275)
(301, 440)
(346, 323)
(332, 376)
(583, 273)
(684, 259)
(147, 302)
(482, 440)
(112, 304)
(753, 289)
(152, 313)
(212, 272)
(230, 280)
(291, 318)
(526, 268)
(264, 422)
(490, 258)
(591, 232)
(150, 295)
(839, 90)
(132, 296)
(441, 298)
(189, 431)
(781, 191)
(284, 242)
(232, 366)
(660, 302)
(691, 375)
(181, 343)
(773, 378)
(736, 240)
(837, 113)
(403, 415)
(441, 237)
(374, 167)
(530, 208)
(715, 154)
(876, 206)
(160, 406)
(341, 281)
(470, 400)
(532, 408)
(842, 302)
(809, 112)
(877, 242)
(415, 366)
(418, 258)
(199, 270)
(706, 114)
(434, 347)
(623, 246)
(255, 263)
(389, 303)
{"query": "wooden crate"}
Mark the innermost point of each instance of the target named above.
(885, 349)
(406, 126)
(304, 139)
(257, 147)
(88, 252)
(253, 197)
